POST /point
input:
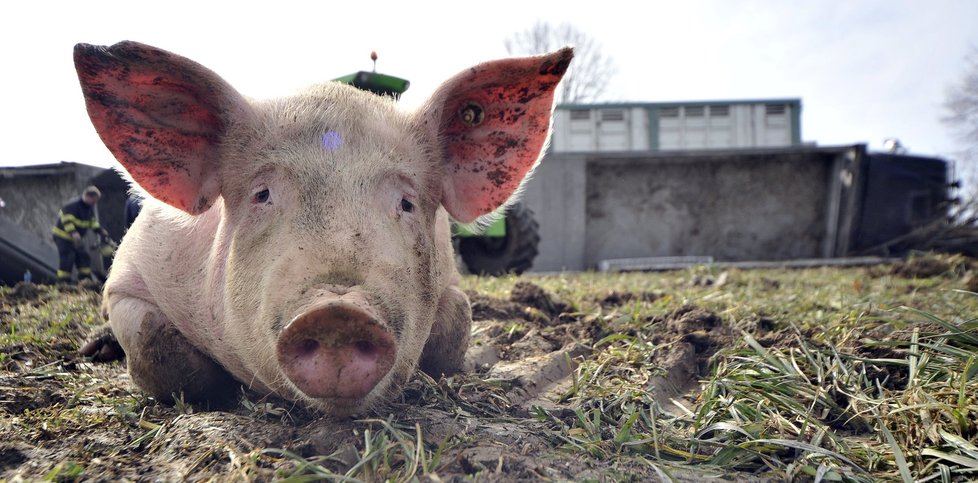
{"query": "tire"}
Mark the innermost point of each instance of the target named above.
(513, 253)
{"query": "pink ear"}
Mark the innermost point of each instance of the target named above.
(162, 116)
(492, 122)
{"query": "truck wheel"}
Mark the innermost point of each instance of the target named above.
(513, 253)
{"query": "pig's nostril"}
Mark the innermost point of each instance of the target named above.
(365, 347)
(306, 347)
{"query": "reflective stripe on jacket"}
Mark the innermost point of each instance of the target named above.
(75, 217)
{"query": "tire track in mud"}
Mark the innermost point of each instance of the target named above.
(535, 341)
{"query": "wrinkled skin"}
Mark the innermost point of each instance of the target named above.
(301, 246)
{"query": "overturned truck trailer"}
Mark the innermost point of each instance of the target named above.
(32, 196)
(610, 209)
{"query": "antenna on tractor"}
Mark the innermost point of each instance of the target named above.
(380, 84)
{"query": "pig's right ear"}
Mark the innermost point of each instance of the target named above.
(163, 117)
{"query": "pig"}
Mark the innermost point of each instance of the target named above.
(301, 246)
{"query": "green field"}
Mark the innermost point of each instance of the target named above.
(825, 374)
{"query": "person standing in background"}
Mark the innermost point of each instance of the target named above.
(74, 220)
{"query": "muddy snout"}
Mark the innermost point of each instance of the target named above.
(337, 350)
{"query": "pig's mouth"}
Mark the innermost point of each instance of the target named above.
(337, 351)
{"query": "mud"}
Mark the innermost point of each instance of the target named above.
(24, 292)
(487, 308)
(929, 265)
(533, 296)
(921, 268)
(617, 298)
(65, 415)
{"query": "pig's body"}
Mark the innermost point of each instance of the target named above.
(302, 245)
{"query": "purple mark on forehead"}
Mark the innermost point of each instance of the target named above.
(332, 141)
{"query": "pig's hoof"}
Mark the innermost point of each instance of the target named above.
(167, 366)
(103, 346)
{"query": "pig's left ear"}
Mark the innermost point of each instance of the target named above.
(492, 122)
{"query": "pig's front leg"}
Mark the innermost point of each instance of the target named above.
(161, 360)
(449, 339)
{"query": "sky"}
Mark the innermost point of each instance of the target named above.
(864, 70)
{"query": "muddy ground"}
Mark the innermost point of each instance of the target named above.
(65, 418)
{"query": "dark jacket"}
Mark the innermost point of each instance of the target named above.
(133, 206)
(75, 217)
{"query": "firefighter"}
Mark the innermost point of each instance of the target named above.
(74, 220)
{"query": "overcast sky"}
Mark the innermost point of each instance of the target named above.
(865, 70)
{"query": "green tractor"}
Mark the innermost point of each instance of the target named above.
(509, 245)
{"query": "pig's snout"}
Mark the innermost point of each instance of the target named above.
(336, 350)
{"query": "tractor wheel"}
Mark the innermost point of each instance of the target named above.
(513, 253)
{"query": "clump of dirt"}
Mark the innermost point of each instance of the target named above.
(923, 267)
(532, 322)
(617, 298)
(890, 376)
(927, 266)
(782, 338)
(24, 292)
(884, 351)
(488, 308)
(27, 393)
(693, 336)
(689, 318)
(533, 295)
(765, 324)
(10, 456)
(704, 330)
(767, 332)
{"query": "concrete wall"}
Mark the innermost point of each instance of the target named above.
(762, 204)
(34, 194)
(556, 194)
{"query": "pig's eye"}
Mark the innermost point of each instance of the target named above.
(406, 206)
(261, 197)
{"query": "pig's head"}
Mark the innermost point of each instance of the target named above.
(332, 248)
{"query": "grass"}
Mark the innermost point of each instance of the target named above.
(390, 452)
(817, 405)
(824, 374)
